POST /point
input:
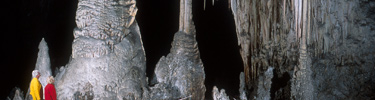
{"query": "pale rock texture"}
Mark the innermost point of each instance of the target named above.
(325, 46)
(242, 89)
(266, 39)
(264, 85)
(320, 49)
(180, 75)
(343, 65)
(219, 95)
(108, 59)
(43, 65)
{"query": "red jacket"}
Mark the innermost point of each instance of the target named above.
(50, 92)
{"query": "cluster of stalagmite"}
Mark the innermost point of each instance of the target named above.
(317, 49)
(108, 59)
(300, 36)
(265, 39)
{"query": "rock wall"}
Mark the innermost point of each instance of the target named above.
(340, 43)
(303, 37)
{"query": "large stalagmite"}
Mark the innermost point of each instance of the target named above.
(108, 60)
(43, 65)
(180, 74)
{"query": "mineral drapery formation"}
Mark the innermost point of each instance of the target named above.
(310, 40)
(180, 74)
(108, 60)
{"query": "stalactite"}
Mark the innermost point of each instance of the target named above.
(204, 4)
(300, 31)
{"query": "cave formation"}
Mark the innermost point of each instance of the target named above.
(290, 49)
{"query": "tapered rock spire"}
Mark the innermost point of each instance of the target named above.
(43, 65)
(180, 74)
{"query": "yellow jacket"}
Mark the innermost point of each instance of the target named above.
(35, 88)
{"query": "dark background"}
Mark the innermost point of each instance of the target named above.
(26, 22)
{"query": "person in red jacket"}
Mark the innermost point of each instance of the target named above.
(50, 91)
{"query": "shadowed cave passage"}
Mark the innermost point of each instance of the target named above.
(217, 41)
(215, 33)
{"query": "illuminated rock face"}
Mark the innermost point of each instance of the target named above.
(108, 59)
(43, 65)
(320, 49)
(315, 42)
(180, 75)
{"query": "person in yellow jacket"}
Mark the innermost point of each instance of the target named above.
(35, 86)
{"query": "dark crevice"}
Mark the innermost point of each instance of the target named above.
(279, 82)
(217, 42)
(158, 21)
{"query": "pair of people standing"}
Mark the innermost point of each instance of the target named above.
(35, 87)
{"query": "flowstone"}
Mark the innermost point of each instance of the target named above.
(108, 59)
